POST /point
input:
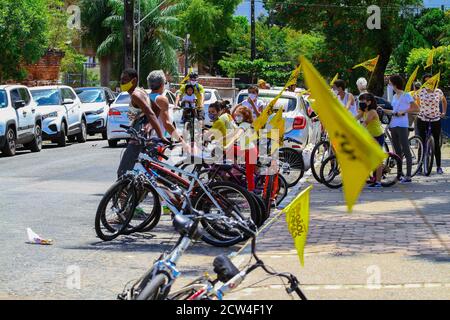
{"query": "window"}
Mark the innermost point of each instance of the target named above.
(15, 96)
(24, 95)
(208, 95)
(124, 98)
(3, 99)
(46, 97)
(91, 95)
(218, 97)
(170, 97)
(68, 94)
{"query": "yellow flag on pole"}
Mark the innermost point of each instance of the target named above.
(433, 82)
(187, 76)
(297, 218)
(430, 58)
(334, 79)
(411, 80)
(369, 64)
(357, 151)
(293, 78)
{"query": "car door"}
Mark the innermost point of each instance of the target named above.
(73, 109)
(29, 109)
(22, 116)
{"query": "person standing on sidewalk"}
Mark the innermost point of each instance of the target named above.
(346, 98)
(403, 104)
(429, 101)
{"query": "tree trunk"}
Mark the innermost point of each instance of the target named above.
(105, 71)
(376, 83)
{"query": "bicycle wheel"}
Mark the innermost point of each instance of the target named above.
(233, 201)
(115, 210)
(416, 148)
(428, 158)
(154, 288)
(392, 170)
(330, 173)
(292, 167)
(146, 213)
(262, 208)
(319, 153)
(282, 191)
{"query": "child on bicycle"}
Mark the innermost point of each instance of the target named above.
(188, 100)
(371, 120)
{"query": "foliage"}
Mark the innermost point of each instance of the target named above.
(433, 24)
(23, 35)
(411, 39)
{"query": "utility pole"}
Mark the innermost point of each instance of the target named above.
(253, 31)
(186, 54)
(128, 33)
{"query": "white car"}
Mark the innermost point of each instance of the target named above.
(95, 103)
(62, 115)
(118, 115)
(299, 125)
(20, 121)
(211, 96)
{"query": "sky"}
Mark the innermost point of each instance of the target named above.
(244, 7)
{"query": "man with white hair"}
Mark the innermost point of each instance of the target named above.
(361, 83)
(156, 81)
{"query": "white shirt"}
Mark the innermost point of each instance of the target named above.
(258, 104)
(245, 141)
(401, 104)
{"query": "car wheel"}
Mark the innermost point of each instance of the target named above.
(36, 144)
(112, 143)
(82, 136)
(9, 149)
(61, 141)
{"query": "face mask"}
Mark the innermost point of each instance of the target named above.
(126, 87)
(252, 96)
(194, 82)
(213, 117)
(239, 119)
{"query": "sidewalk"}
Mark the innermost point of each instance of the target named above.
(395, 245)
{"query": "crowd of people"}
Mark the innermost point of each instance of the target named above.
(232, 126)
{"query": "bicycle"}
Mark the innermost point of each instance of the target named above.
(155, 177)
(292, 167)
(156, 284)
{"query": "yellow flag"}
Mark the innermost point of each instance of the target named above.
(187, 76)
(334, 79)
(433, 82)
(357, 151)
(369, 64)
(297, 218)
(411, 80)
(430, 58)
(278, 123)
(293, 78)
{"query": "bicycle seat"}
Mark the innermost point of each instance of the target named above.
(224, 268)
(411, 129)
(182, 224)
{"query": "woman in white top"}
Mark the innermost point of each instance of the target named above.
(255, 105)
(403, 104)
(346, 98)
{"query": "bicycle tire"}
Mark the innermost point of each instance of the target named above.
(218, 236)
(100, 218)
(332, 174)
(152, 290)
(262, 207)
(315, 168)
(296, 168)
(393, 161)
(429, 157)
(416, 149)
(283, 189)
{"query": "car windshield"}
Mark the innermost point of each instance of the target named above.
(91, 95)
(124, 98)
(3, 99)
(208, 95)
(46, 97)
(289, 104)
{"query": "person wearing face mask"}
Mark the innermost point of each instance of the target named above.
(246, 148)
(199, 93)
(143, 114)
(255, 105)
(403, 104)
(370, 119)
(223, 124)
(346, 98)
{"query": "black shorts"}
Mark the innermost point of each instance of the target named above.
(380, 140)
(199, 114)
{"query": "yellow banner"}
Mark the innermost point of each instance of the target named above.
(187, 76)
(411, 80)
(357, 151)
(430, 58)
(433, 82)
(369, 64)
(334, 80)
(297, 218)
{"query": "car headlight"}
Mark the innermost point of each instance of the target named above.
(50, 115)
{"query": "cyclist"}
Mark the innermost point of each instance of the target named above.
(403, 104)
(223, 124)
(190, 99)
(346, 98)
(429, 101)
(143, 114)
(368, 107)
(255, 105)
(199, 93)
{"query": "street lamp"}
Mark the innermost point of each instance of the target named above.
(186, 54)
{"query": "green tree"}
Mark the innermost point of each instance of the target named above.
(411, 39)
(433, 25)
(23, 35)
